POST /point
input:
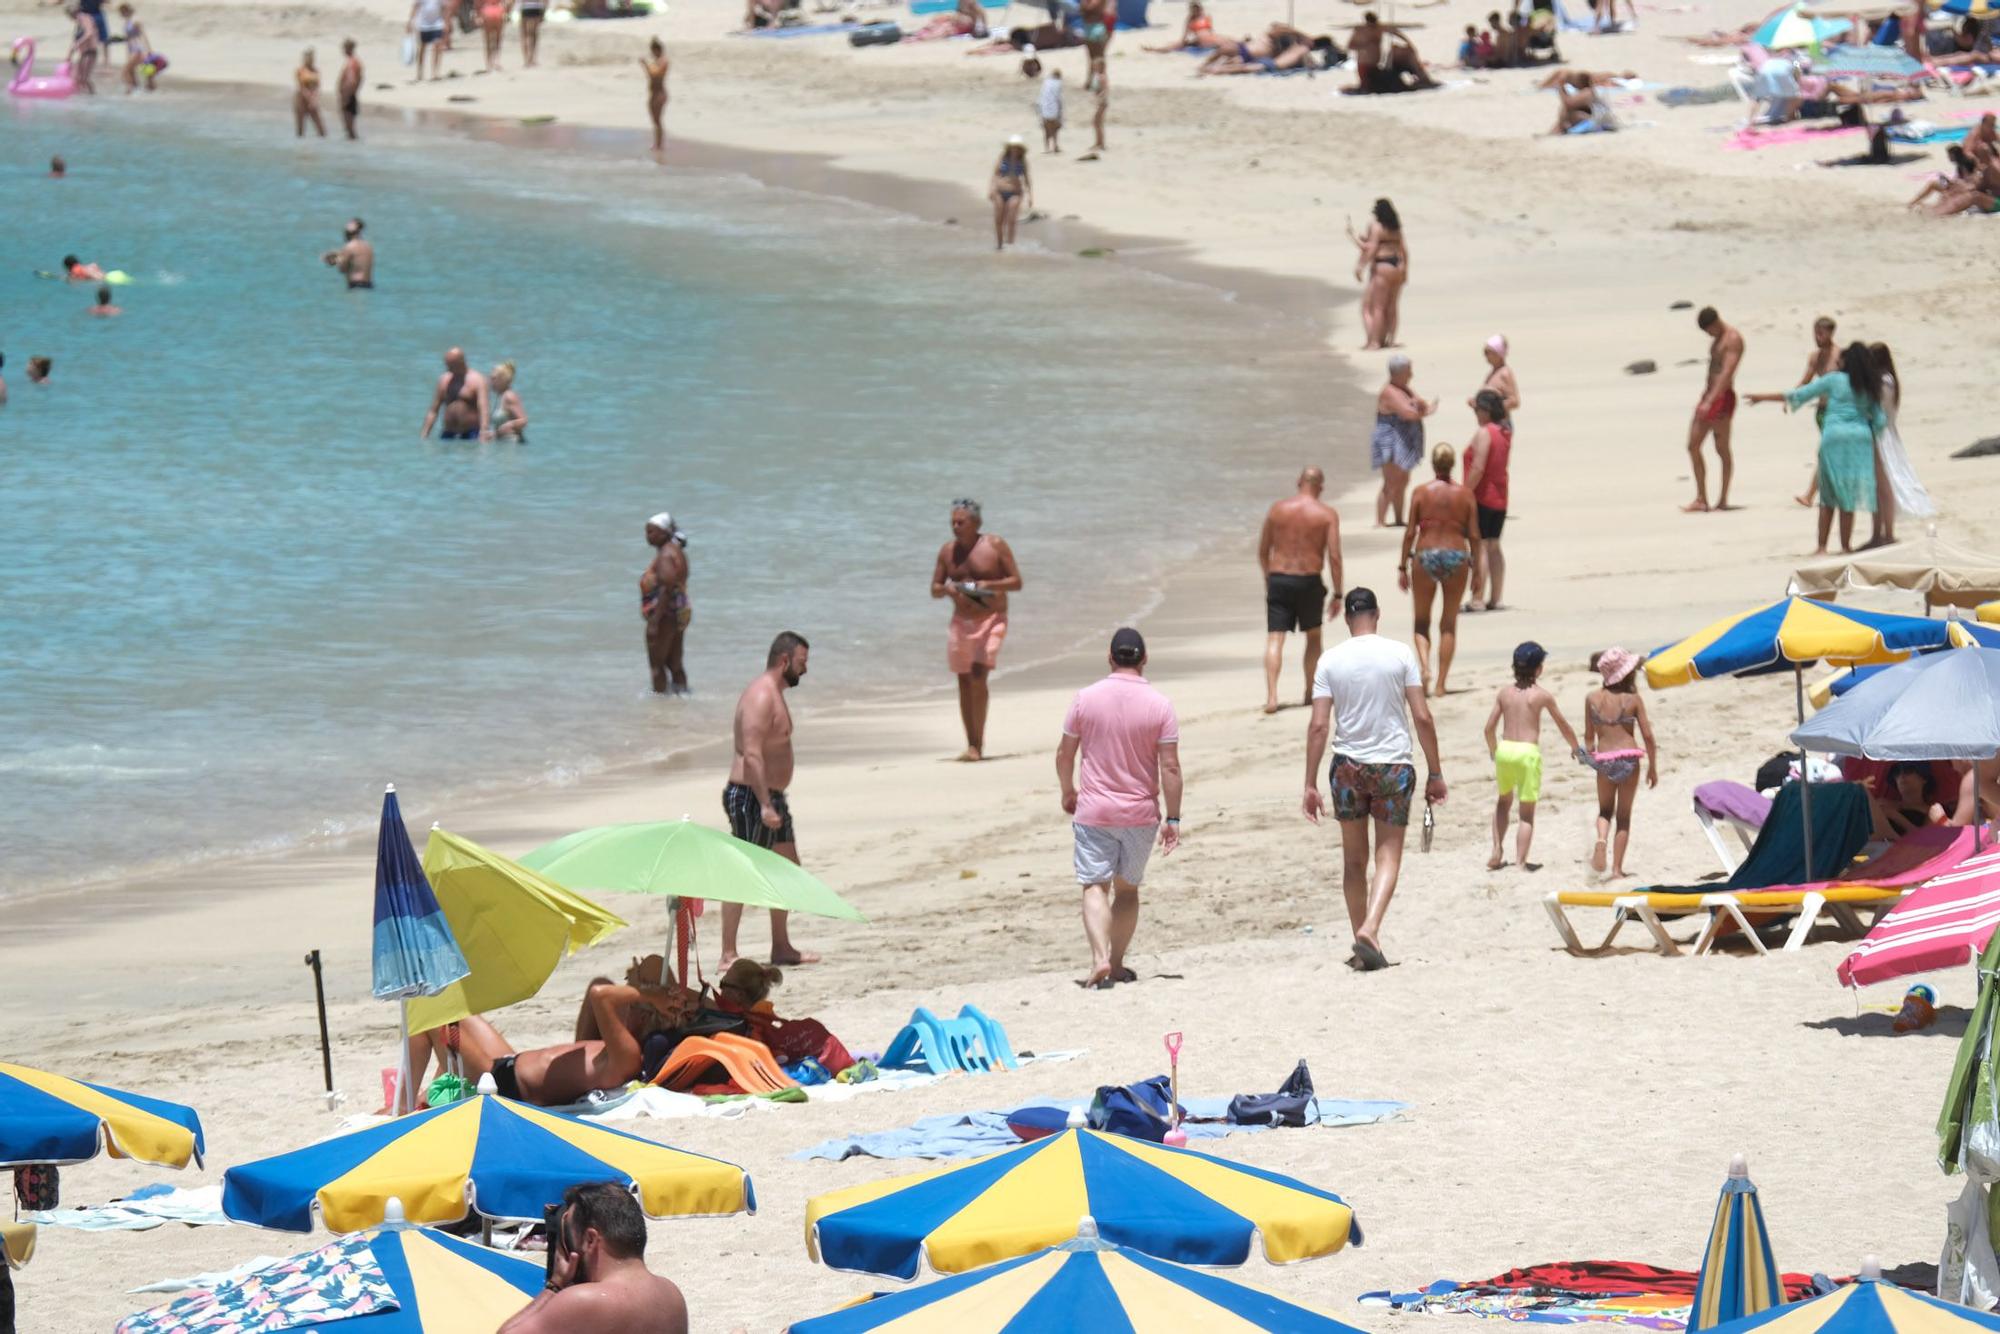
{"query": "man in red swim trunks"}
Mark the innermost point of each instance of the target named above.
(1713, 414)
(976, 571)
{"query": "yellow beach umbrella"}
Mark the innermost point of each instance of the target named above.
(512, 924)
(1867, 1306)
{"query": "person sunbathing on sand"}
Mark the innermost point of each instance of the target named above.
(968, 20)
(1283, 47)
(1385, 60)
(1581, 105)
(1557, 78)
(1963, 172)
(559, 1075)
(1197, 32)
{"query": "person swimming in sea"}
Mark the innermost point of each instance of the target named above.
(355, 259)
(104, 309)
(76, 271)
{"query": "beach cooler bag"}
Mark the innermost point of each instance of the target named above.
(1140, 1111)
(875, 34)
(1291, 1105)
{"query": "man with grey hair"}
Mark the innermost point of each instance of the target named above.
(976, 571)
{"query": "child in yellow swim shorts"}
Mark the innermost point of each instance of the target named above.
(1513, 738)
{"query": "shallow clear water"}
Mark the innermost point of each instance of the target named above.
(237, 593)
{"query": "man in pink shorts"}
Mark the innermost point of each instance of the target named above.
(976, 571)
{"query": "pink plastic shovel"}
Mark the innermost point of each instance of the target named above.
(1175, 1138)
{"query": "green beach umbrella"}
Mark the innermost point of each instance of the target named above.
(1969, 1141)
(685, 860)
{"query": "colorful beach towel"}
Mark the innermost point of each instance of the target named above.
(339, 1281)
(1582, 1292)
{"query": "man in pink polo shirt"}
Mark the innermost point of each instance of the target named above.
(1130, 742)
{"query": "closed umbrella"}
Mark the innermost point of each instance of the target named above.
(1087, 1283)
(1942, 707)
(415, 954)
(1948, 575)
(487, 1155)
(47, 1118)
(1738, 1275)
(514, 926)
(1173, 1204)
(389, 1280)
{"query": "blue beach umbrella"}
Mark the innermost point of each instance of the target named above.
(1789, 28)
(47, 1118)
(1083, 1284)
(415, 954)
(1942, 707)
(1738, 1277)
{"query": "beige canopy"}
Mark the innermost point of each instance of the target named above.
(1946, 574)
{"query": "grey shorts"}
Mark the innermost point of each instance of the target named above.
(1104, 852)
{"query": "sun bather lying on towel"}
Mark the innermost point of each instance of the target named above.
(559, 1075)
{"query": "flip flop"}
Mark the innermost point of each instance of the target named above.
(1371, 957)
(1124, 975)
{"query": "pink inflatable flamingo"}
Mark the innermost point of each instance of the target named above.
(25, 84)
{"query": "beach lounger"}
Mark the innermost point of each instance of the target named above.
(1805, 906)
(1737, 805)
(1777, 860)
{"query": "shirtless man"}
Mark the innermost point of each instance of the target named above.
(1823, 358)
(350, 88)
(104, 309)
(598, 1280)
(1301, 534)
(559, 1075)
(463, 398)
(662, 598)
(1716, 407)
(976, 571)
(758, 776)
(1380, 50)
(355, 259)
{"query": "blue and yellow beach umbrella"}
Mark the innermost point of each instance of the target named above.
(1084, 1284)
(1738, 1276)
(500, 1158)
(384, 1281)
(1174, 1204)
(1867, 1306)
(46, 1118)
(1791, 633)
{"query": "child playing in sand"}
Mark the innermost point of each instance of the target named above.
(1517, 750)
(1050, 105)
(1614, 722)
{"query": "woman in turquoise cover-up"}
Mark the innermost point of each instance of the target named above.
(1854, 418)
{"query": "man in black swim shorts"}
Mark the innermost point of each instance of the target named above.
(1301, 537)
(462, 399)
(759, 773)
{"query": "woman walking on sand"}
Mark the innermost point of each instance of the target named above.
(1439, 542)
(1854, 417)
(305, 101)
(1009, 188)
(1897, 490)
(1614, 723)
(1381, 267)
(531, 30)
(656, 93)
(493, 25)
(1397, 445)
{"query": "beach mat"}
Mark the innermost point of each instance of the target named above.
(1581, 1292)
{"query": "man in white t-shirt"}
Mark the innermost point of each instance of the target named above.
(1370, 690)
(1130, 743)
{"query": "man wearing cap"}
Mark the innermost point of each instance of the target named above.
(664, 604)
(1370, 691)
(1301, 535)
(976, 571)
(1129, 741)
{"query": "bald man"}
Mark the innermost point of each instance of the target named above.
(1301, 535)
(464, 399)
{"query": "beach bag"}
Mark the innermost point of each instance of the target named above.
(1291, 1105)
(1140, 1111)
(875, 34)
(37, 1187)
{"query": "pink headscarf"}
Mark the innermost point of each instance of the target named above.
(1497, 344)
(1615, 664)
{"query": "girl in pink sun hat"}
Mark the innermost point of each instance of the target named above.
(1614, 726)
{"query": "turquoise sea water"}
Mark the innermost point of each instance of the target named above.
(238, 593)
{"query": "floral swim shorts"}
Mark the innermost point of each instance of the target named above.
(1361, 789)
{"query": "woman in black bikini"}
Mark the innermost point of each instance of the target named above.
(1439, 540)
(1382, 267)
(1009, 187)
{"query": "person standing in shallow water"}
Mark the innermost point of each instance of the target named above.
(976, 571)
(349, 91)
(656, 93)
(662, 602)
(305, 99)
(1009, 190)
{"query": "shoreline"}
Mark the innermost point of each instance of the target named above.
(1279, 301)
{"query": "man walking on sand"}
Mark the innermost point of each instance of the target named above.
(976, 571)
(1129, 740)
(1713, 413)
(754, 800)
(1301, 534)
(1370, 690)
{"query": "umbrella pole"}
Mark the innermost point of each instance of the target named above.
(325, 1045)
(403, 1090)
(1805, 767)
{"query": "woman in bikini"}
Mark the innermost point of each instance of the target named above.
(1009, 188)
(1382, 267)
(510, 414)
(1439, 541)
(1614, 724)
(656, 93)
(1197, 33)
(493, 24)
(305, 101)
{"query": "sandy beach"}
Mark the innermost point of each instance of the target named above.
(1559, 1108)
